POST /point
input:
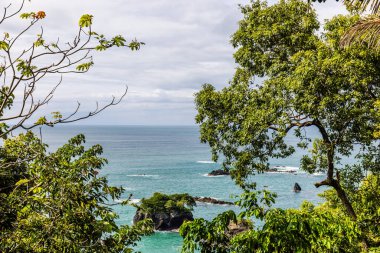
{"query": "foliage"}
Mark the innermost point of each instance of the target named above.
(313, 83)
(24, 67)
(377, 112)
(59, 203)
(215, 235)
(365, 32)
(160, 202)
(309, 229)
(366, 201)
(53, 202)
(309, 81)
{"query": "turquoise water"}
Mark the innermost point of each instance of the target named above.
(147, 159)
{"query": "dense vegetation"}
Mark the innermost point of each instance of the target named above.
(57, 202)
(160, 202)
(53, 202)
(291, 77)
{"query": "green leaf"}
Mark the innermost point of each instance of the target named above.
(84, 66)
(56, 115)
(118, 41)
(4, 45)
(85, 20)
(22, 181)
(27, 15)
(41, 121)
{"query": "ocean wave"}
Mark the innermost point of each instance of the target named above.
(209, 197)
(285, 168)
(133, 201)
(207, 175)
(167, 231)
(208, 162)
(142, 175)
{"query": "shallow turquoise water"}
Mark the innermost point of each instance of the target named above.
(147, 159)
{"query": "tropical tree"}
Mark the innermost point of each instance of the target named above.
(308, 81)
(59, 202)
(53, 202)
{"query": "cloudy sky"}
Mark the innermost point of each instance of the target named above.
(187, 44)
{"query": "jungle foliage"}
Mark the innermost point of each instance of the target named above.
(293, 75)
(161, 202)
(53, 201)
(58, 202)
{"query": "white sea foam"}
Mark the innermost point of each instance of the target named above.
(142, 175)
(134, 201)
(286, 168)
(207, 175)
(208, 162)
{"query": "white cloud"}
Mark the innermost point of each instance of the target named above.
(187, 44)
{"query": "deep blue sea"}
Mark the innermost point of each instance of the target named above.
(171, 159)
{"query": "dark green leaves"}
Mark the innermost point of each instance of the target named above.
(58, 199)
(309, 82)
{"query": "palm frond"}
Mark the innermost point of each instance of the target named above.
(372, 5)
(364, 32)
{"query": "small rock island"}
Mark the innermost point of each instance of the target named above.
(168, 212)
(212, 201)
(219, 173)
(297, 187)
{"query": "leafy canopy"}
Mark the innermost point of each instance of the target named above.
(59, 203)
(160, 202)
(293, 76)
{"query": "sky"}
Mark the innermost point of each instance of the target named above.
(186, 45)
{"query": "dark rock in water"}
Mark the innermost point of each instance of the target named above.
(279, 170)
(219, 173)
(297, 187)
(212, 201)
(164, 221)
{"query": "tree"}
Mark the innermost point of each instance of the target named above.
(309, 82)
(60, 203)
(22, 70)
(53, 202)
(309, 229)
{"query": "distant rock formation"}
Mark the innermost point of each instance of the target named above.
(280, 170)
(219, 173)
(212, 201)
(297, 187)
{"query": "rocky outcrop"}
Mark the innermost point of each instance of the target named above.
(165, 221)
(219, 173)
(297, 187)
(212, 201)
(279, 170)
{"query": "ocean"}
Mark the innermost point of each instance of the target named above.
(171, 159)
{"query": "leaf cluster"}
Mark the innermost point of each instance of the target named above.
(160, 202)
(58, 202)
